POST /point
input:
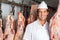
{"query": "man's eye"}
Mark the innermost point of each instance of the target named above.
(59, 15)
(40, 12)
(44, 11)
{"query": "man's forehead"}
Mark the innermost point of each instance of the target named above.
(42, 9)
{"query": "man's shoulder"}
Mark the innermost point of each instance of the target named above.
(32, 24)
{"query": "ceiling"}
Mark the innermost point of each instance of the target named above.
(51, 3)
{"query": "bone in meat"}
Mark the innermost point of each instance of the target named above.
(55, 25)
(9, 31)
(20, 27)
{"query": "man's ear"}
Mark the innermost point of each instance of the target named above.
(48, 13)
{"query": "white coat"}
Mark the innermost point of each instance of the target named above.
(35, 31)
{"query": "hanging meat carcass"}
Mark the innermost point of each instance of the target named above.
(1, 32)
(55, 25)
(32, 15)
(9, 31)
(20, 27)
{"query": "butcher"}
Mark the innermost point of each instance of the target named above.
(9, 29)
(1, 32)
(55, 25)
(20, 27)
(38, 30)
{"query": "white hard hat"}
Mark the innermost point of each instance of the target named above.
(42, 5)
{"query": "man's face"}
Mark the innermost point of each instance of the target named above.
(42, 14)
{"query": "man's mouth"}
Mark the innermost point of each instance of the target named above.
(42, 16)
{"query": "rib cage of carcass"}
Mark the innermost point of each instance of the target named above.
(20, 26)
(9, 30)
(1, 32)
(55, 25)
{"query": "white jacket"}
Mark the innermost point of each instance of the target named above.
(35, 31)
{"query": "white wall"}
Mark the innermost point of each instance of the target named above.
(16, 1)
(6, 8)
(17, 9)
(20, 1)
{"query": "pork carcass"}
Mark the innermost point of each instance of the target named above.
(1, 32)
(20, 27)
(55, 25)
(9, 30)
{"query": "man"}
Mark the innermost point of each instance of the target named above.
(38, 30)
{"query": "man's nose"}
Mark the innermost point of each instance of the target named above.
(42, 13)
